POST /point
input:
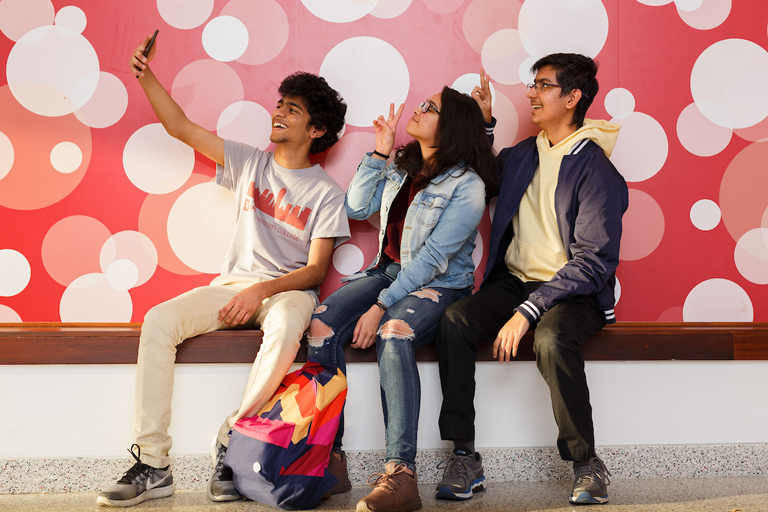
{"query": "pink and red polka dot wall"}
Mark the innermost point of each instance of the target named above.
(104, 215)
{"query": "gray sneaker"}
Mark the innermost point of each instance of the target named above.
(140, 483)
(590, 484)
(463, 475)
(221, 486)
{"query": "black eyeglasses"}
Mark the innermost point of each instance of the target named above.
(543, 86)
(425, 106)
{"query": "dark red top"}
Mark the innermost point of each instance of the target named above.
(396, 218)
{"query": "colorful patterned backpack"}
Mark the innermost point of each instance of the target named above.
(280, 457)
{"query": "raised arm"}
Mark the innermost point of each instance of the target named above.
(482, 95)
(168, 111)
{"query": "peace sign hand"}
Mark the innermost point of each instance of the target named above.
(482, 95)
(386, 129)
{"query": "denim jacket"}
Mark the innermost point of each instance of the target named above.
(440, 225)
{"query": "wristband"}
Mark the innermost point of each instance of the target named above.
(382, 155)
(381, 305)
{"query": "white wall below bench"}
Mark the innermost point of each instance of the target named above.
(86, 411)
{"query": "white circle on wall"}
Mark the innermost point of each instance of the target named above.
(616, 292)
(751, 256)
(375, 220)
(348, 259)
(201, 225)
(340, 11)
(107, 104)
(642, 148)
(66, 157)
(527, 76)
(225, 38)
(655, 3)
(15, 272)
(718, 300)
(718, 78)
(155, 162)
(17, 17)
(246, 122)
(711, 14)
(47, 66)
(492, 208)
(705, 214)
(185, 14)
(8, 315)
(502, 55)
(95, 298)
(123, 273)
(387, 9)
(688, 5)
(505, 132)
(71, 17)
(477, 254)
(133, 247)
(619, 103)
(699, 135)
(553, 26)
(7, 155)
(353, 67)
(466, 83)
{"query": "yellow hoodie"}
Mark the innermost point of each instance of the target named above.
(537, 252)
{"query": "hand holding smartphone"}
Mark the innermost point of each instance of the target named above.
(148, 49)
(151, 43)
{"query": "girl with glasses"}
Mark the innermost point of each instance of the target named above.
(430, 198)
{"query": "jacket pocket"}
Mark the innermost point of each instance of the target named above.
(430, 208)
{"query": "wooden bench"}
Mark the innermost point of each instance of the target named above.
(61, 343)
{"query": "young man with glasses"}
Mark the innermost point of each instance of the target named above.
(552, 259)
(290, 214)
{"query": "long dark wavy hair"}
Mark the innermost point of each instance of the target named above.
(460, 141)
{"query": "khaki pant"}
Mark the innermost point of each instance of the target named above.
(283, 317)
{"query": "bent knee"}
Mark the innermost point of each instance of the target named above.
(318, 331)
(396, 329)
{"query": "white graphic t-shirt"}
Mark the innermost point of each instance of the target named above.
(279, 211)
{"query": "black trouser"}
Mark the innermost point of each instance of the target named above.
(559, 333)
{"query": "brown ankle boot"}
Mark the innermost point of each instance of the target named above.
(337, 466)
(393, 491)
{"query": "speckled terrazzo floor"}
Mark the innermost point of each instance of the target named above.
(501, 465)
(716, 494)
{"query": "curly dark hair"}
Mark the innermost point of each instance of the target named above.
(325, 106)
(574, 71)
(460, 141)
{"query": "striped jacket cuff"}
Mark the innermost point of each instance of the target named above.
(530, 311)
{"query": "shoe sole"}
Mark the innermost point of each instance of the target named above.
(409, 507)
(587, 499)
(161, 492)
(446, 493)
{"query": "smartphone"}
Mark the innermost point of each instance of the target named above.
(151, 43)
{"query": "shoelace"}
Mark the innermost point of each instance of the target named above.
(224, 471)
(386, 481)
(139, 471)
(454, 466)
(594, 469)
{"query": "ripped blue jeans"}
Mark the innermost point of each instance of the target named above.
(407, 325)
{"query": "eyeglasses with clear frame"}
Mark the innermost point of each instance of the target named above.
(545, 86)
(425, 107)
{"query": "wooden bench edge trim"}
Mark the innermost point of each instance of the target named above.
(54, 343)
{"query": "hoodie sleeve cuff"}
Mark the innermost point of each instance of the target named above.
(530, 311)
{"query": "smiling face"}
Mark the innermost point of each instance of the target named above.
(550, 111)
(290, 122)
(422, 126)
